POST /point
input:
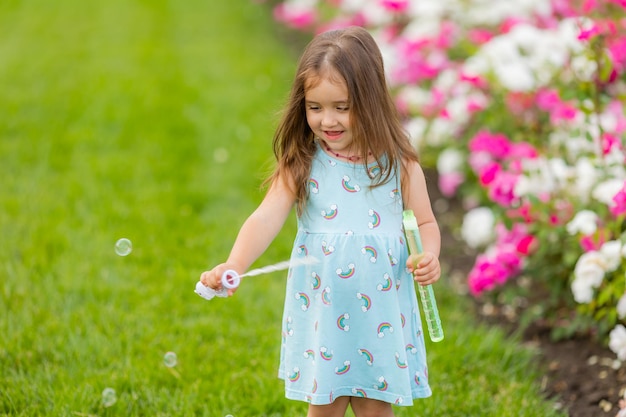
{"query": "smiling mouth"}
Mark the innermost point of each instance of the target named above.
(333, 133)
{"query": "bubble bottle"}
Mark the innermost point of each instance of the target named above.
(230, 280)
(427, 294)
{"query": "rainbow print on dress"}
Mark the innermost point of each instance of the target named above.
(367, 301)
(345, 274)
(375, 219)
(345, 183)
(341, 322)
(384, 326)
(369, 358)
(330, 214)
(371, 252)
(344, 369)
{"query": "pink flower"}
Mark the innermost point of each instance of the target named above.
(449, 183)
(617, 50)
(589, 5)
(395, 6)
(485, 274)
(511, 261)
(497, 145)
(519, 103)
(618, 207)
(474, 106)
(609, 142)
(616, 109)
(511, 236)
(296, 18)
(548, 100)
(414, 64)
(479, 36)
(444, 39)
(494, 269)
(488, 173)
(501, 189)
(478, 160)
(563, 112)
(527, 245)
(474, 80)
(522, 150)
(523, 212)
(593, 242)
(586, 34)
(508, 24)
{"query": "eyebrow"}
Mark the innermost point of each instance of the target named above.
(334, 102)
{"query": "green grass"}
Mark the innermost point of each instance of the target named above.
(152, 120)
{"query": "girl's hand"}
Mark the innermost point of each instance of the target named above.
(425, 268)
(213, 278)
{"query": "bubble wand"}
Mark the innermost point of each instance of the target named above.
(231, 279)
(427, 294)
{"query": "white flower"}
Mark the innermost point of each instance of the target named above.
(621, 307)
(606, 190)
(478, 227)
(450, 160)
(612, 252)
(617, 341)
(591, 258)
(586, 178)
(416, 127)
(585, 222)
(588, 275)
(584, 67)
(439, 131)
(582, 291)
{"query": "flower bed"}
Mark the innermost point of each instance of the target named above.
(520, 105)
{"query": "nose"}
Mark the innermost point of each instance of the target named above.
(328, 119)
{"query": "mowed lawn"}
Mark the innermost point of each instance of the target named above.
(152, 121)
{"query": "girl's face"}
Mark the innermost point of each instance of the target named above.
(328, 114)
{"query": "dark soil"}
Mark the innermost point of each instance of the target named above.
(584, 378)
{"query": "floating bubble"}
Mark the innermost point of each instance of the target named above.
(243, 132)
(109, 397)
(170, 360)
(123, 247)
(220, 155)
(228, 415)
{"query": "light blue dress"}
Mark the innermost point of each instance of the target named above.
(351, 323)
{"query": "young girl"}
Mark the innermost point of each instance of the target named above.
(352, 334)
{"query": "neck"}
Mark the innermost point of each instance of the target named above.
(351, 158)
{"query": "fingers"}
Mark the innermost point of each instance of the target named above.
(213, 278)
(427, 269)
(207, 278)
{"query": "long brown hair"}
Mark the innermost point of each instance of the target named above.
(353, 54)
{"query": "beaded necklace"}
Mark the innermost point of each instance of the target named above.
(352, 158)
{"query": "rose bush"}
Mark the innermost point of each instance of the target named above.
(521, 107)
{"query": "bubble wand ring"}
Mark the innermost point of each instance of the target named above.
(231, 279)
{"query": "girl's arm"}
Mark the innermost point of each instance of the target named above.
(415, 194)
(257, 232)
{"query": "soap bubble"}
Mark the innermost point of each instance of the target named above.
(170, 360)
(243, 132)
(109, 397)
(123, 247)
(228, 415)
(220, 155)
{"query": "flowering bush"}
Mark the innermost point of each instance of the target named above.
(522, 106)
